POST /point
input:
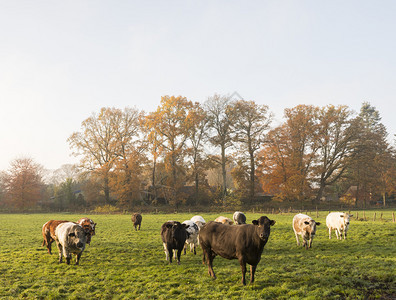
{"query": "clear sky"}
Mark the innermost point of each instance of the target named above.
(60, 61)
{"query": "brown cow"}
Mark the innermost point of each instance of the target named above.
(48, 232)
(244, 242)
(89, 227)
(136, 220)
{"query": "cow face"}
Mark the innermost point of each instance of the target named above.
(263, 227)
(310, 227)
(345, 218)
(77, 238)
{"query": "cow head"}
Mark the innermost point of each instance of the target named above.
(263, 228)
(345, 217)
(77, 237)
(310, 226)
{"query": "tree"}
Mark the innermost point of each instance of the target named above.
(334, 137)
(128, 148)
(97, 145)
(196, 137)
(250, 123)
(219, 122)
(172, 122)
(23, 183)
(371, 151)
(288, 157)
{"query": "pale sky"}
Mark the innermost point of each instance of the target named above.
(60, 61)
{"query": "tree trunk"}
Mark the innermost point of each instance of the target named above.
(223, 170)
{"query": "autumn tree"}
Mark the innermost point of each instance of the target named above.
(197, 136)
(290, 154)
(219, 124)
(171, 121)
(335, 134)
(96, 145)
(23, 184)
(128, 147)
(250, 123)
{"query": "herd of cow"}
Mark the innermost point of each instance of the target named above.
(244, 242)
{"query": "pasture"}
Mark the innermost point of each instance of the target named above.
(122, 263)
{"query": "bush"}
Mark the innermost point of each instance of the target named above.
(106, 209)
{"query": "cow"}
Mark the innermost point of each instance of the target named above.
(224, 220)
(245, 243)
(173, 236)
(199, 221)
(89, 227)
(192, 239)
(339, 221)
(239, 218)
(136, 220)
(48, 231)
(70, 239)
(306, 227)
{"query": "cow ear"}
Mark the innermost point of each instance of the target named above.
(341, 216)
(317, 223)
(168, 225)
(350, 215)
(255, 222)
(185, 226)
(272, 222)
(306, 222)
(72, 234)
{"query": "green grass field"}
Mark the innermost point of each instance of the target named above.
(123, 264)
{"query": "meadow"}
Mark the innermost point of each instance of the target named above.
(122, 263)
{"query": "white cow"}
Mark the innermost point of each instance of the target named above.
(339, 221)
(70, 239)
(239, 218)
(192, 238)
(199, 221)
(306, 227)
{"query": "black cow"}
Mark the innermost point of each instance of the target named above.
(244, 242)
(173, 236)
(136, 220)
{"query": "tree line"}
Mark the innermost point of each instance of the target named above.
(222, 152)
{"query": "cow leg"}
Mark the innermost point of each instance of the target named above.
(298, 241)
(179, 251)
(60, 250)
(78, 258)
(166, 252)
(139, 226)
(210, 265)
(185, 249)
(242, 262)
(329, 233)
(252, 271)
(195, 252)
(337, 234)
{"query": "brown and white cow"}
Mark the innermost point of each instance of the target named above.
(89, 227)
(224, 220)
(306, 227)
(70, 239)
(244, 242)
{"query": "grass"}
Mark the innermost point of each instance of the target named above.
(121, 263)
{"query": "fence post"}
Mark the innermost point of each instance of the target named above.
(393, 217)
(317, 213)
(375, 215)
(381, 216)
(364, 215)
(357, 215)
